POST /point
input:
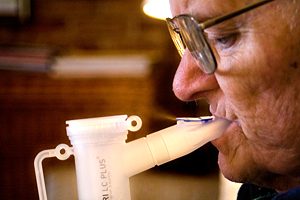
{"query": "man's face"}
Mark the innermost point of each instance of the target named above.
(256, 86)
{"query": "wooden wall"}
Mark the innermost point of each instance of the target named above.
(89, 25)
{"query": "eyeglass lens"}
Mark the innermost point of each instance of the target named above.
(187, 33)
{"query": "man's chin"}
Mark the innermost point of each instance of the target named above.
(225, 168)
(232, 171)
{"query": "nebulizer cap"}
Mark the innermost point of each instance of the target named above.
(102, 129)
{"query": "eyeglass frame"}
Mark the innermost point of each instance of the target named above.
(182, 44)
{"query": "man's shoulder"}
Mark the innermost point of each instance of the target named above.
(292, 194)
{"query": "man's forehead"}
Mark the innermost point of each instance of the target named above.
(204, 9)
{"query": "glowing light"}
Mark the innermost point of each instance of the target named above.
(159, 9)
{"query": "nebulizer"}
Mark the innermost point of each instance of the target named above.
(104, 162)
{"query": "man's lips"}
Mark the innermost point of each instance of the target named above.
(220, 142)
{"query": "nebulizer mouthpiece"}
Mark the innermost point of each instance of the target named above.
(171, 143)
(104, 162)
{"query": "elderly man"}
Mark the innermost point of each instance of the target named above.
(243, 57)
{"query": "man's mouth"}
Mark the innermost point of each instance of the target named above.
(221, 142)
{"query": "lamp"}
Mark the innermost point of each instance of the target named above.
(159, 9)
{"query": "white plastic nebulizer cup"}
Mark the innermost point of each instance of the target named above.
(98, 144)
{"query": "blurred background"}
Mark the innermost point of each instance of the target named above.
(71, 59)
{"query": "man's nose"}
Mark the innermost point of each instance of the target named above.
(190, 82)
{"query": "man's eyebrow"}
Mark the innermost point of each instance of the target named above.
(226, 27)
(201, 17)
(211, 13)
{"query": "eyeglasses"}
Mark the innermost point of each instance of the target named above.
(186, 32)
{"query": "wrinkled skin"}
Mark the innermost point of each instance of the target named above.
(256, 86)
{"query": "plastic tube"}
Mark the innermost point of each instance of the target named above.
(170, 143)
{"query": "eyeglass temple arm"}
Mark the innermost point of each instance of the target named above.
(220, 19)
